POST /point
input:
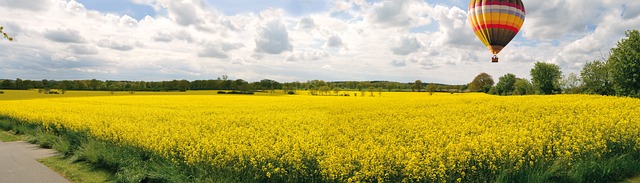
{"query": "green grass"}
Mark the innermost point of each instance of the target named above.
(76, 171)
(9, 136)
(633, 180)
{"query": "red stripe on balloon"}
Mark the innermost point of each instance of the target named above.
(498, 26)
(499, 3)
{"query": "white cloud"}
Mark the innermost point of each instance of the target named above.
(454, 30)
(114, 43)
(83, 49)
(32, 5)
(313, 55)
(170, 36)
(214, 52)
(184, 12)
(333, 41)
(61, 57)
(64, 36)
(389, 14)
(405, 45)
(221, 50)
(398, 63)
(273, 38)
(239, 61)
(306, 23)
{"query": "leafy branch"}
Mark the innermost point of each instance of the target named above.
(5, 34)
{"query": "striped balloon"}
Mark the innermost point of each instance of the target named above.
(496, 22)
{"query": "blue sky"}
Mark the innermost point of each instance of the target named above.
(122, 7)
(295, 40)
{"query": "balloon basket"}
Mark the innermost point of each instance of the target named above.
(494, 60)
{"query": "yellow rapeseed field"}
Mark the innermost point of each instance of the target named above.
(396, 137)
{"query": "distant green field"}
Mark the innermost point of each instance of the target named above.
(32, 94)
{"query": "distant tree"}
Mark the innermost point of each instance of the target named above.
(371, 90)
(417, 86)
(111, 89)
(596, 79)
(506, 84)
(571, 84)
(62, 86)
(522, 87)
(545, 77)
(481, 83)
(324, 89)
(183, 85)
(79, 85)
(94, 84)
(6, 36)
(336, 90)
(362, 92)
(20, 84)
(380, 91)
(431, 88)
(492, 91)
(6, 84)
(462, 88)
(624, 65)
(28, 84)
(133, 88)
(391, 86)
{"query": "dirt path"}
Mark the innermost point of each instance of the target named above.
(18, 163)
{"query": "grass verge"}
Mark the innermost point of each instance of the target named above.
(76, 171)
(9, 136)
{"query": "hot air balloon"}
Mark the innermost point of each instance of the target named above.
(496, 22)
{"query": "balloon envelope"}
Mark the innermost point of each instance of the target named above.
(496, 22)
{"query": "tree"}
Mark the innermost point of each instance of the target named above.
(522, 87)
(133, 88)
(545, 77)
(481, 83)
(20, 84)
(431, 88)
(94, 84)
(183, 85)
(371, 90)
(380, 91)
(324, 89)
(391, 86)
(63, 87)
(417, 85)
(571, 84)
(624, 65)
(595, 78)
(6, 84)
(506, 84)
(6, 36)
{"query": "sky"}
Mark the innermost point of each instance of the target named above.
(295, 40)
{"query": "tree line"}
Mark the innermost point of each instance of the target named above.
(318, 87)
(617, 75)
